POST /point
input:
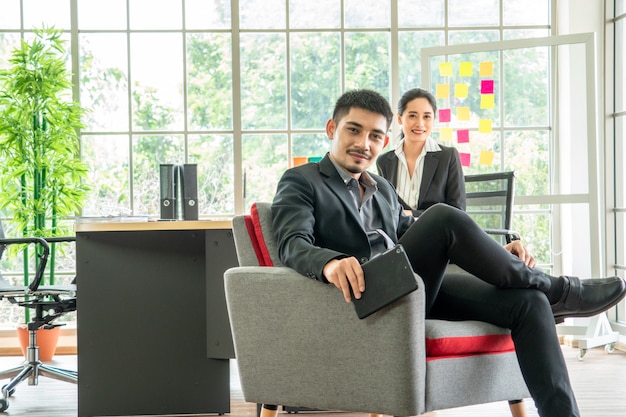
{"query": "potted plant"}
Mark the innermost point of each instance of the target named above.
(42, 178)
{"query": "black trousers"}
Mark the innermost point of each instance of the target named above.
(506, 293)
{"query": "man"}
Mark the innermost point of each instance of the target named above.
(332, 216)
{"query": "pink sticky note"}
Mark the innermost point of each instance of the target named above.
(465, 159)
(486, 86)
(444, 115)
(462, 136)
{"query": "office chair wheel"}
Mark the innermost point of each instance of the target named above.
(4, 404)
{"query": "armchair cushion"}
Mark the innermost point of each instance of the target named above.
(446, 339)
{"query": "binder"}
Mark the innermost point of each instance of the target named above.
(190, 191)
(167, 179)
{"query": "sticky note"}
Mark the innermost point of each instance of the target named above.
(486, 158)
(445, 133)
(444, 115)
(443, 90)
(484, 125)
(465, 69)
(486, 87)
(465, 159)
(463, 113)
(486, 69)
(460, 90)
(445, 69)
(486, 101)
(462, 136)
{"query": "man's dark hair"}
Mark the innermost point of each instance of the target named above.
(363, 99)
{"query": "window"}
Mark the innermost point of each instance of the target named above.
(617, 132)
(242, 87)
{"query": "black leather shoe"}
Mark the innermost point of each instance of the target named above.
(588, 297)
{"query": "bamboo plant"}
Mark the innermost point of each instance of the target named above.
(42, 179)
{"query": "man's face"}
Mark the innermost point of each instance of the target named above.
(357, 139)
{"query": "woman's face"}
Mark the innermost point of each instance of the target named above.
(417, 120)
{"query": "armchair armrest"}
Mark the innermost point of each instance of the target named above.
(290, 332)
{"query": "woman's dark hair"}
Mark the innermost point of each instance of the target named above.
(364, 99)
(414, 93)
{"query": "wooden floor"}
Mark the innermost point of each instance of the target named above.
(599, 382)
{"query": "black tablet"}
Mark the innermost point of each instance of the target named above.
(388, 277)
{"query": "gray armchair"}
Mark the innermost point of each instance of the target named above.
(298, 343)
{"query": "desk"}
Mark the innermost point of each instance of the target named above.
(153, 330)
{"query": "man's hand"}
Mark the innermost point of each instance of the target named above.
(344, 274)
(518, 249)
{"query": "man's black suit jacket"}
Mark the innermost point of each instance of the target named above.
(315, 219)
(442, 178)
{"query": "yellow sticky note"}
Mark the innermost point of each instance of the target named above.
(486, 101)
(465, 69)
(443, 90)
(460, 90)
(445, 133)
(484, 125)
(445, 69)
(486, 69)
(486, 158)
(463, 113)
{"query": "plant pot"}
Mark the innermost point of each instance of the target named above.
(46, 341)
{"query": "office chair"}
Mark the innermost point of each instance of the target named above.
(48, 302)
(489, 201)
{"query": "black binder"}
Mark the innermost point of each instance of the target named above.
(388, 277)
(190, 191)
(168, 191)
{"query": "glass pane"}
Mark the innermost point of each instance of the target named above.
(527, 12)
(104, 81)
(102, 14)
(483, 151)
(157, 82)
(473, 13)
(620, 7)
(209, 81)
(312, 146)
(620, 156)
(263, 81)
(368, 61)
(214, 156)
(262, 14)
(203, 14)
(109, 164)
(8, 42)
(264, 161)
(315, 78)
(156, 14)
(148, 153)
(410, 60)
(367, 13)
(527, 152)
(526, 87)
(620, 65)
(47, 12)
(535, 230)
(10, 16)
(307, 14)
(420, 13)
(525, 34)
(472, 36)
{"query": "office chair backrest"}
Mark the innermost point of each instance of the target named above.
(490, 202)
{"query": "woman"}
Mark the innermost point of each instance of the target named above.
(423, 172)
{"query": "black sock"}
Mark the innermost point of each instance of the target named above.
(557, 288)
